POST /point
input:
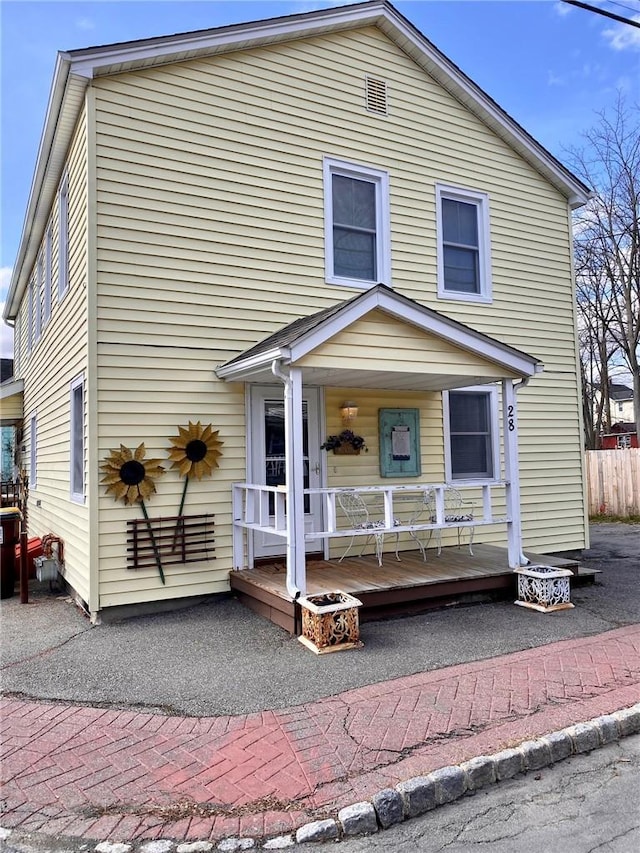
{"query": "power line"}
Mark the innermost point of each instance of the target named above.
(623, 6)
(604, 12)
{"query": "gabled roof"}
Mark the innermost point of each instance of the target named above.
(301, 337)
(75, 69)
(619, 392)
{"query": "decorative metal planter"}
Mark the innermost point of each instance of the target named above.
(330, 622)
(544, 588)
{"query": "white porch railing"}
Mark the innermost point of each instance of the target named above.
(251, 510)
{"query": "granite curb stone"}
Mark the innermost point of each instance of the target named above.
(419, 795)
(389, 806)
(560, 745)
(480, 772)
(536, 754)
(358, 819)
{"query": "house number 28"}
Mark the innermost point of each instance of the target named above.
(511, 420)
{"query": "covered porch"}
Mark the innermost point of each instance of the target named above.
(377, 343)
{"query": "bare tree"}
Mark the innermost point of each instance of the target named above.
(607, 247)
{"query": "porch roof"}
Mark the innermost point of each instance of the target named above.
(487, 359)
(11, 402)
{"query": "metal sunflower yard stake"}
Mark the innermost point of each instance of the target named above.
(129, 477)
(195, 453)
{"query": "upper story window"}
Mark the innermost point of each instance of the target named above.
(17, 347)
(472, 434)
(357, 232)
(30, 315)
(63, 238)
(464, 257)
(47, 276)
(38, 298)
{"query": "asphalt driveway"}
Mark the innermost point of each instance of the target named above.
(220, 658)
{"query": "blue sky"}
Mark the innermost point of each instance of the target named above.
(551, 66)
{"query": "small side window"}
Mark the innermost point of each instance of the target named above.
(33, 451)
(63, 238)
(77, 464)
(30, 315)
(47, 275)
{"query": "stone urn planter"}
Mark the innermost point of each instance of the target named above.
(330, 622)
(544, 588)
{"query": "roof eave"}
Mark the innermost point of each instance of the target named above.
(65, 101)
(237, 371)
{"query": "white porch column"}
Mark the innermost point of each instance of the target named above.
(512, 472)
(294, 472)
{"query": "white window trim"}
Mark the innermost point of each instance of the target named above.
(76, 497)
(17, 346)
(63, 238)
(33, 451)
(47, 275)
(30, 315)
(380, 179)
(39, 282)
(481, 201)
(492, 390)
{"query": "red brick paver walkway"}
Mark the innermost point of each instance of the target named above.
(122, 775)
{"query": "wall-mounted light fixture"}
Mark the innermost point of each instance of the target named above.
(349, 412)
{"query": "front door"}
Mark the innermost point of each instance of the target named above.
(268, 458)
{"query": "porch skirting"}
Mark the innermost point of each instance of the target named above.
(407, 587)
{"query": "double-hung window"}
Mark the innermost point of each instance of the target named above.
(33, 451)
(471, 428)
(77, 440)
(464, 262)
(63, 238)
(47, 276)
(38, 298)
(30, 315)
(357, 231)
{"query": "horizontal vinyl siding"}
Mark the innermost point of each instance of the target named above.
(398, 347)
(144, 396)
(210, 237)
(55, 360)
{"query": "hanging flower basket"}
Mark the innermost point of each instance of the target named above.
(347, 443)
(346, 450)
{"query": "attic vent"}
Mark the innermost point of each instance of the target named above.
(376, 95)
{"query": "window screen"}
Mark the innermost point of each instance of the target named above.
(354, 228)
(470, 429)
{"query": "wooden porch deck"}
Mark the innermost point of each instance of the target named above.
(407, 587)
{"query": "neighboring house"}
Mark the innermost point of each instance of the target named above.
(622, 437)
(252, 225)
(621, 403)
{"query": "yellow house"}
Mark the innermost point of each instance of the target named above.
(251, 227)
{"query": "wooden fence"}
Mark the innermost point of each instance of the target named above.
(613, 482)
